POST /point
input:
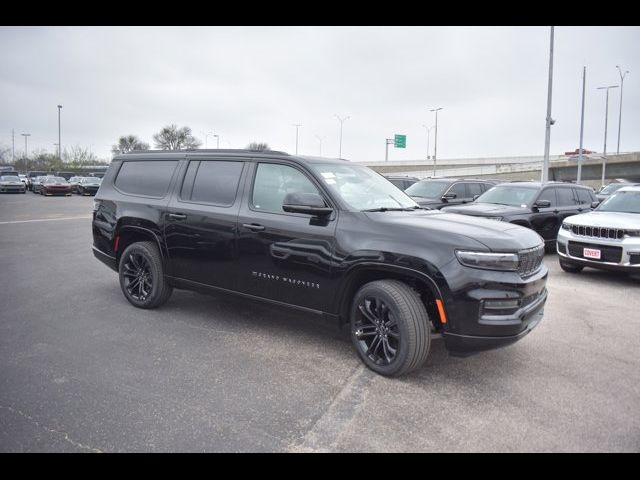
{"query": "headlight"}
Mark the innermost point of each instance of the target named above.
(632, 233)
(566, 226)
(488, 261)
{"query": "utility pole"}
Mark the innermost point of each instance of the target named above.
(297, 125)
(549, 121)
(622, 75)
(341, 120)
(428, 129)
(59, 142)
(606, 118)
(435, 147)
(26, 152)
(217, 141)
(584, 80)
(13, 145)
(320, 140)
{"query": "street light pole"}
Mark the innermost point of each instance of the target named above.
(622, 75)
(59, 143)
(341, 120)
(217, 141)
(584, 80)
(428, 129)
(26, 152)
(320, 140)
(606, 118)
(549, 121)
(435, 146)
(297, 125)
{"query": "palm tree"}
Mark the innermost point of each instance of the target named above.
(129, 143)
(173, 138)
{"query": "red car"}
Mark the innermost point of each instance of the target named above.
(55, 186)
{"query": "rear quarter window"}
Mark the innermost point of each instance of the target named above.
(216, 182)
(585, 196)
(149, 178)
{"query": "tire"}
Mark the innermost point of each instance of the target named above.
(406, 327)
(145, 258)
(570, 268)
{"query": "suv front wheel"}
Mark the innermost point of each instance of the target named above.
(141, 276)
(390, 327)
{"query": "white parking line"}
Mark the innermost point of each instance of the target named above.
(47, 219)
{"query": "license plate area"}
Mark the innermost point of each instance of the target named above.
(591, 253)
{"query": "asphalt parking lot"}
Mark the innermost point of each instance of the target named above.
(82, 370)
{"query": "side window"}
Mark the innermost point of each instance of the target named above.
(475, 189)
(583, 196)
(212, 181)
(565, 197)
(150, 178)
(549, 194)
(273, 182)
(459, 189)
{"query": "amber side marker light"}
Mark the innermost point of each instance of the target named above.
(440, 305)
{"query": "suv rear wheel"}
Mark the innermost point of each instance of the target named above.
(390, 327)
(141, 276)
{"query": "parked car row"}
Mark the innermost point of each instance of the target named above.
(53, 185)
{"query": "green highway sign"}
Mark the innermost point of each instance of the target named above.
(400, 141)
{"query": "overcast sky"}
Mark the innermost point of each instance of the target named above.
(251, 84)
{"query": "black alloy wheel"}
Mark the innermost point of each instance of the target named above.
(141, 276)
(138, 278)
(376, 331)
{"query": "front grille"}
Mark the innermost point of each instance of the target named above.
(607, 253)
(634, 258)
(530, 260)
(598, 232)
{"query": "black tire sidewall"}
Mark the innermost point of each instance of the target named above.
(399, 361)
(156, 274)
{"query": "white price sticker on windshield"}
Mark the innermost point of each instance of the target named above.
(328, 175)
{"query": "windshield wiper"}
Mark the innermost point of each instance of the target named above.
(389, 209)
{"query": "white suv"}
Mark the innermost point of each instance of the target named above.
(607, 238)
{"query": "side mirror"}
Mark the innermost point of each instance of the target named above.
(448, 196)
(594, 204)
(542, 204)
(307, 203)
(475, 197)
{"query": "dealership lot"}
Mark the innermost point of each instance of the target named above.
(82, 370)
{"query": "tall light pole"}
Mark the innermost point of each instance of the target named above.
(435, 146)
(584, 83)
(606, 118)
(26, 151)
(59, 143)
(428, 129)
(549, 121)
(297, 125)
(320, 140)
(341, 120)
(217, 141)
(13, 145)
(622, 75)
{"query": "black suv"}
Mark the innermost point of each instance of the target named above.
(539, 206)
(441, 192)
(402, 182)
(327, 237)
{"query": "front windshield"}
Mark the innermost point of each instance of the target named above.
(427, 189)
(612, 187)
(9, 178)
(508, 195)
(55, 180)
(362, 188)
(627, 202)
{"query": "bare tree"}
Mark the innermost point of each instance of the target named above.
(78, 155)
(258, 146)
(174, 138)
(128, 143)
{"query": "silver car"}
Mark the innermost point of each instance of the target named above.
(607, 238)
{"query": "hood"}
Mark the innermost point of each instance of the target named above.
(494, 235)
(606, 219)
(486, 209)
(11, 182)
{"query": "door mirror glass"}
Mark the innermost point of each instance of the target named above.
(542, 204)
(449, 196)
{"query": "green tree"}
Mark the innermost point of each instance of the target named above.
(258, 146)
(173, 138)
(128, 143)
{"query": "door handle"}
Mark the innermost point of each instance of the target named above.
(253, 226)
(556, 211)
(177, 216)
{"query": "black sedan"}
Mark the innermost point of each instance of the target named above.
(88, 185)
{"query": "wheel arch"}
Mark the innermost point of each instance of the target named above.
(129, 234)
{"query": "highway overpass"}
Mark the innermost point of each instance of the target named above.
(562, 168)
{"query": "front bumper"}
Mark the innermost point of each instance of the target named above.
(12, 188)
(622, 255)
(491, 309)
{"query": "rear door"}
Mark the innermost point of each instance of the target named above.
(201, 222)
(568, 204)
(545, 220)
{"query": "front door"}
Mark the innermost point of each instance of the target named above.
(545, 220)
(284, 256)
